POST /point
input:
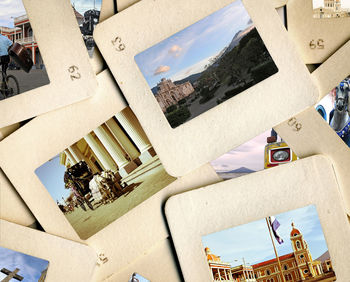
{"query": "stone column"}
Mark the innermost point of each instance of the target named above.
(70, 157)
(124, 141)
(100, 153)
(132, 126)
(78, 155)
(113, 148)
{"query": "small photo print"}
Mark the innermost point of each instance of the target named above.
(104, 175)
(138, 278)
(22, 67)
(262, 152)
(327, 9)
(87, 13)
(16, 266)
(286, 247)
(335, 110)
(206, 64)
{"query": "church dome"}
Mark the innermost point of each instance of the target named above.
(295, 231)
(211, 256)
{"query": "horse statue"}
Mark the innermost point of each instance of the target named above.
(339, 117)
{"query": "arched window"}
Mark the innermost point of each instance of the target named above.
(268, 272)
(285, 267)
(301, 256)
(298, 245)
(306, 271)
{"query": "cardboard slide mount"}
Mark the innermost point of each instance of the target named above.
(64, 54)
(306, 31)
(210, 209)
(31, 146)
(316, 136)
(68, 261)
(182, 149)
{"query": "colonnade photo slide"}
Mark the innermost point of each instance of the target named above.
(105, 174)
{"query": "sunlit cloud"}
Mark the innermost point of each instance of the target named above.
(175, 51)
(161, 69)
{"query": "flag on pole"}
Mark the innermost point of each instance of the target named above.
(274, 226)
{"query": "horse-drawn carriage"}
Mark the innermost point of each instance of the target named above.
(92, 188)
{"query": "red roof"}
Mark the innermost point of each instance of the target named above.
(273, 260)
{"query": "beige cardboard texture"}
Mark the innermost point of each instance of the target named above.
(317, 137)
(333, 70)
(279, 3)
(157, 265)
(182, 149)
(58, 58)
(68, 261)
(303, 28)
(200, 212)
(47, 135)
(12, 207)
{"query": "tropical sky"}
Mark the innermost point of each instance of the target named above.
(320, 3)
(14, 8)
(188, 51)
(51, 176)
(249, 155)
(252, 241)
(29, 267)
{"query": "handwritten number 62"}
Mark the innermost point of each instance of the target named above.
(74, 73)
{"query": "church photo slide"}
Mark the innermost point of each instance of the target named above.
(329, 9)
(335, 110)
(262, 152)
(206, 64)
(285, 247)
(104, 175)
(21, 63)
(87, 13)
(16, 266)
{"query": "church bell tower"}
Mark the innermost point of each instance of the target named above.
(302, 254)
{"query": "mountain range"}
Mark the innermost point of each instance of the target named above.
(240, 170)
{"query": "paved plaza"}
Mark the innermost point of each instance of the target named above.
(87, 223)
(28, 81)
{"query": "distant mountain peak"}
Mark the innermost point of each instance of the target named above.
(241, 170)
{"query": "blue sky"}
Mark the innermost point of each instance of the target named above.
(30, 267)
(51, 176)
(14, 8)
(252, 241)
(188, 51)
(320, 3)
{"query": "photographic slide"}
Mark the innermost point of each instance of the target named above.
(87, 13)
(16, 266)
(334, 108)
(329, 9)
(105, 174)
(286, 247)
(205, 64)
(22, 66)
(262, 152)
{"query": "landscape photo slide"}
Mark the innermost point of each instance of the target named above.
(262, 152)
(326, 9)
(205, 64)
(20, 73)
(16, 266)
(87, 13)
(335, 109)
(135, 277)
(104, 175)
(285, 247)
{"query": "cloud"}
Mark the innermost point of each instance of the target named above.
(175, 50)
(161, 69)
